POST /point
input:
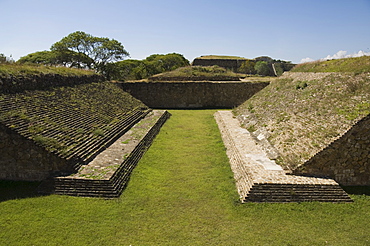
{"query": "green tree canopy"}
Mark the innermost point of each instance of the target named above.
(279, 68)
(154, 64)
(247, 67)
(262, 68)
(67, 58)
(40, 57)
(83, 50)
(279, 65)
(167, 62)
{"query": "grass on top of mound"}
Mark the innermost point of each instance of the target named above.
(15, 69)
(222, 57)
(197, 73)
(355, 65)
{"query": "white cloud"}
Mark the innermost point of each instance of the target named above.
(307, 59)
(360, 53)
(339, 55)
(343, 54)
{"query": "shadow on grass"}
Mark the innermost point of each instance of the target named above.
(357, 190)
(10, 190)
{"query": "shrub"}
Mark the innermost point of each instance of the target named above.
(301, 85)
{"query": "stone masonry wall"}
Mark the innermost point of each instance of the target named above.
(21, 159)
(192, 94)
(232, 64)
(347, 159)
(12, 84)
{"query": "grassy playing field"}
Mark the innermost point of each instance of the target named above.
(181, 193)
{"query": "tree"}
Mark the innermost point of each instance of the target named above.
(67, 58)
(167, 62)
(83, 50)
(267, 59)
(154, 64)
(5, 59)
(279, 68)
(2, 58)
(247, 67)
(262, 68)
(40, 57)
(123, 70)
(279, 65)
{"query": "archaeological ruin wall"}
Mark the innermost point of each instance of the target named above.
(347, 159)
(14, 84)
(232, 64)
(22, 159)
(52, 125)
(192, 94)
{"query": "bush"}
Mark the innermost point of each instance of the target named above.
(247, 67)
(262, 68)
(301, 85)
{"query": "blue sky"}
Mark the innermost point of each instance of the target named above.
(282, 29)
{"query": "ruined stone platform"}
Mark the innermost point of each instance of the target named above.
(108, 173)
(259, 179)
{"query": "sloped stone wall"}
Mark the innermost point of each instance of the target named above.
(22, 159)
(347, 159)
(258, 181)
(192, 94)
(95, 181)
(51, 124)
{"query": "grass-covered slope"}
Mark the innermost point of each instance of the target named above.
(353, 65)
(15, 69)
(72, 121)
(305, 112)
(19, 77)
(197, 73)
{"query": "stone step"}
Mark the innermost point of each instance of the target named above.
(310, 196)
(250, 175)
(113, 186)
(285, 190)
(296, 193)
(287, 193)
(90, 194)
(297, 200)
(87, 151)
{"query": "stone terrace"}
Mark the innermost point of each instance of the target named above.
(259, 179)
(108, 173)
(56, 130)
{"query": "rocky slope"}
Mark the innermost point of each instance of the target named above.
(301, 113)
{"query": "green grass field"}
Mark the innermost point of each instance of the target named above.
(181, 193)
